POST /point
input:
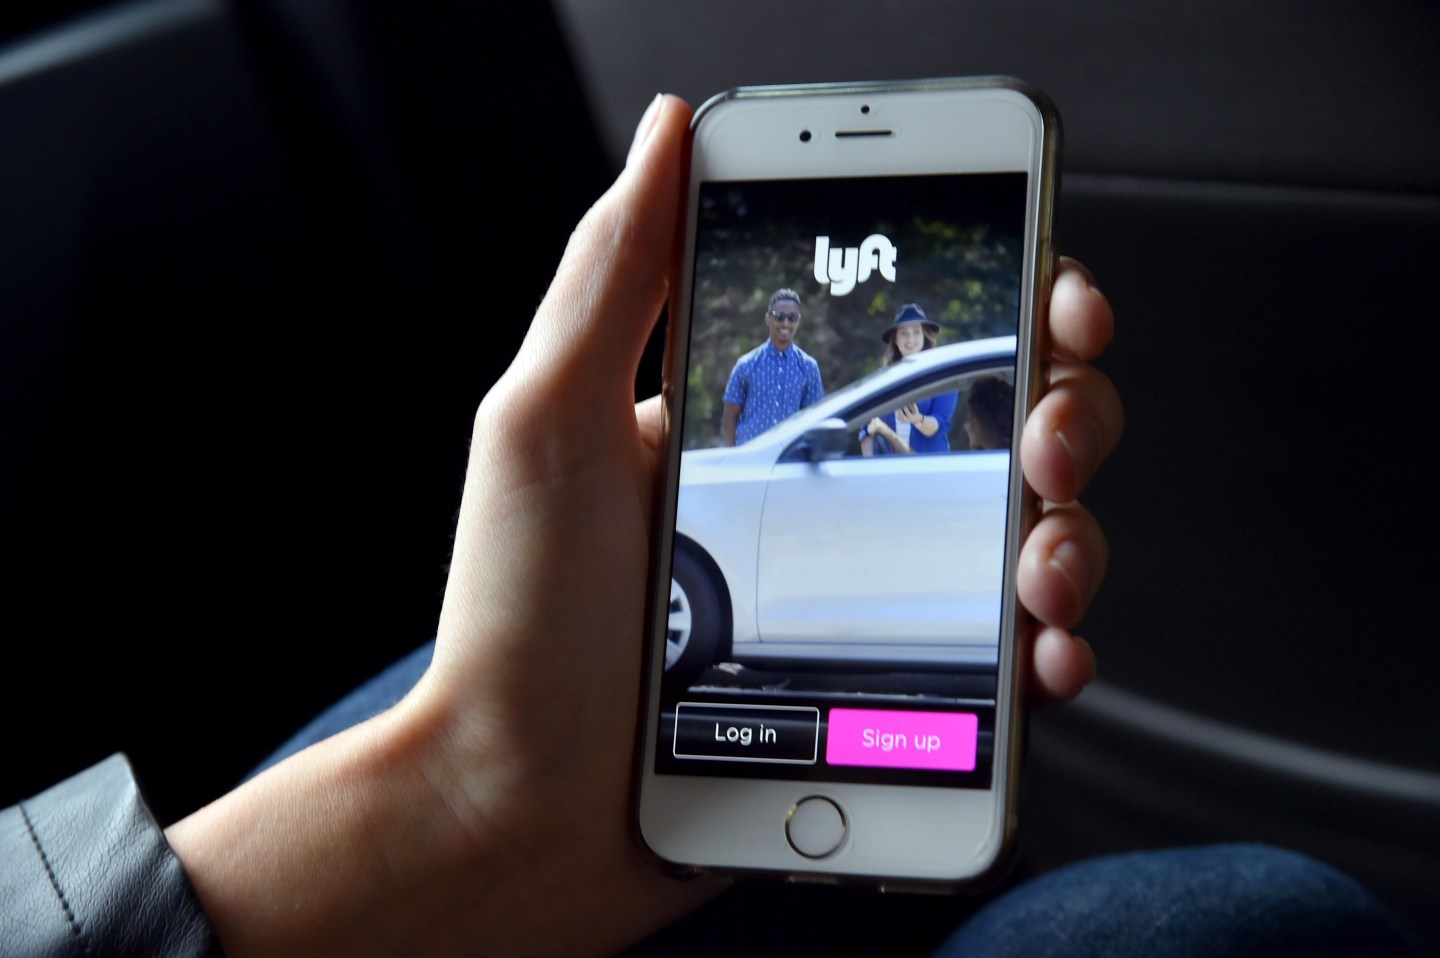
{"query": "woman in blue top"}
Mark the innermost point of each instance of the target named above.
(922, 426)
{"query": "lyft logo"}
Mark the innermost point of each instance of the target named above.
(843, 268)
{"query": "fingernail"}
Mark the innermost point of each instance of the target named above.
(647, 125)
(1069, 560)
(1085, 273)
(1082, 441)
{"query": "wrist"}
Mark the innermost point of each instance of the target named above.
(418, 833)
(337, 850)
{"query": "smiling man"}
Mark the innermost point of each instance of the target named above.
(774, 380)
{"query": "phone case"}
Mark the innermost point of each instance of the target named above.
(1010, 666)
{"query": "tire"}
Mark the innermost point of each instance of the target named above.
(693, 636)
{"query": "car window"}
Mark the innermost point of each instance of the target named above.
(985, 395)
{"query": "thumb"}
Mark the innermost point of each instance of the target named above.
(590, 330)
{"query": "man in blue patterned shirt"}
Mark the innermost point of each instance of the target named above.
(774, 380)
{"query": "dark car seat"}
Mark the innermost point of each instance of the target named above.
(258, 263)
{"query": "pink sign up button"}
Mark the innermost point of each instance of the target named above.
(936, 740)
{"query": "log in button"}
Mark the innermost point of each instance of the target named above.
(787, 734)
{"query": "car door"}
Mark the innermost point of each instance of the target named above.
(887, 556)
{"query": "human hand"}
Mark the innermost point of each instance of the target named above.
(910, 414)
(490, 809)
(1069, 433)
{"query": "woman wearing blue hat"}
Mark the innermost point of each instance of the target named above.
(922, 426)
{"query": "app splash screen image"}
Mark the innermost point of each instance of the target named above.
(835, 595)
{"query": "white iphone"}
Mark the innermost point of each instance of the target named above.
(856, 329)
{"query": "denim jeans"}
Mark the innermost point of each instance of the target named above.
(1223, 900)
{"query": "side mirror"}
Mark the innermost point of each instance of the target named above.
(826, 440)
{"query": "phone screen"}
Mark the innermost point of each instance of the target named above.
(837, 565)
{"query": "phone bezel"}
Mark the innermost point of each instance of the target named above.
(948, 837)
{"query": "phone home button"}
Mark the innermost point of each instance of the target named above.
(815, 826)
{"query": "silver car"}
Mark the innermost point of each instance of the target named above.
(796, 549)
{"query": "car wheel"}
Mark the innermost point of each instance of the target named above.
(693, 631)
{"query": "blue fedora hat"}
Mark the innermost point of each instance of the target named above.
(905, 316)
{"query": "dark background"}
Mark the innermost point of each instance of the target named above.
(259, 260)
(259, 263)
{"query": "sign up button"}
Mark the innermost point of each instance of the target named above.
(884, 739)
(788, 734)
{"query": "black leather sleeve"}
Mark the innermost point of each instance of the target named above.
(85, 871)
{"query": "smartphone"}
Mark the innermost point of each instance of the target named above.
(856, 335)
